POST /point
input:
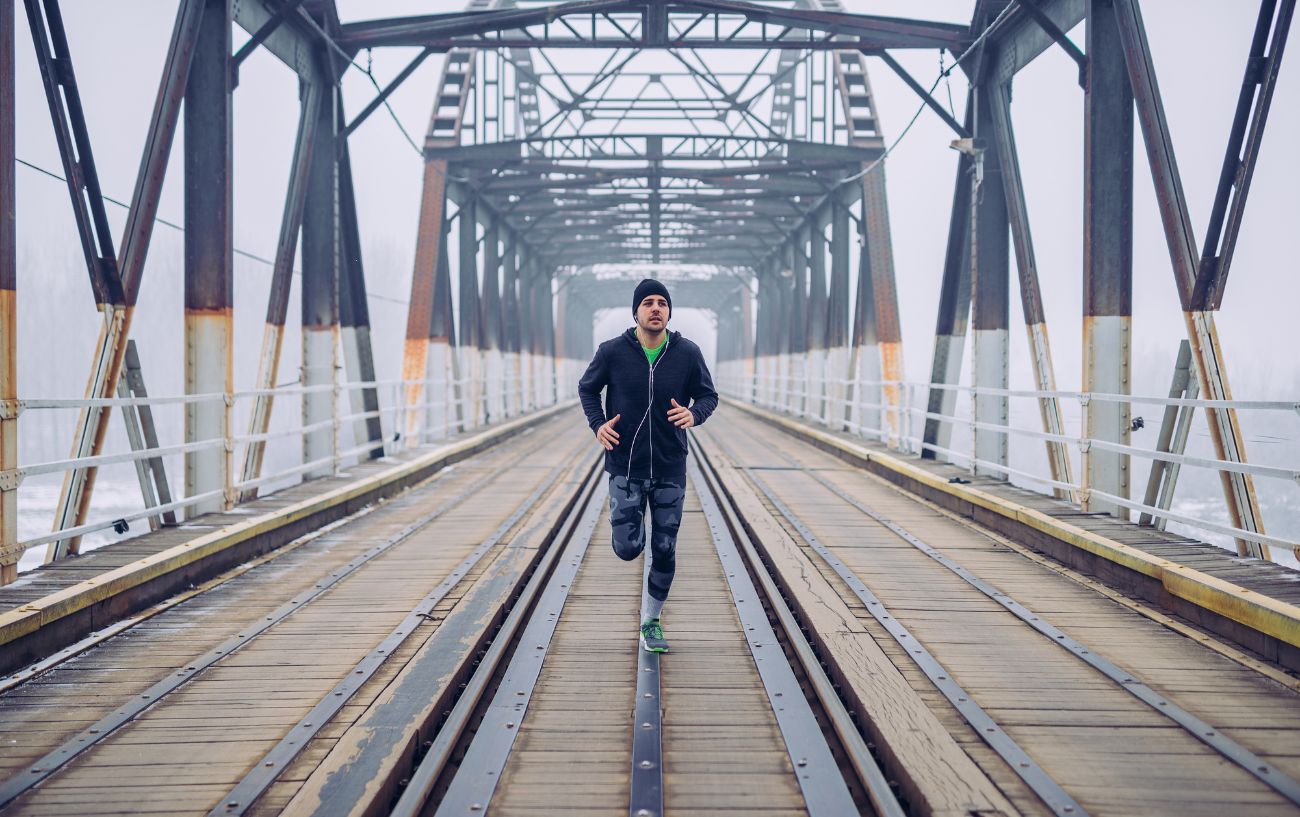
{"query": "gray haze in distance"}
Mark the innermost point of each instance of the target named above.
(1199, 48)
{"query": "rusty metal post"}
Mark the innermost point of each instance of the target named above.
(990, 313)
(277, 305)
(9, 553)
(320, 293)
(889, 328)
(209, 276)
(1031, 298)
(1107, 253)
(1211, 369)
(429, 250)
(442, 370)
(954, 309)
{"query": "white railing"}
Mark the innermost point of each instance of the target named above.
(411, 413)
(796, 390)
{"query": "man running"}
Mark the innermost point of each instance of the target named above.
(657, 386)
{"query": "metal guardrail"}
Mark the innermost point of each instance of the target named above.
(828, 403)
(444, 406)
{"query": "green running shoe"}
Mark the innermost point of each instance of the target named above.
(652, 636)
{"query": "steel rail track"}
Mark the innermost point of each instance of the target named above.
(1125, 679)
(30, 776)
(547, 589)
(1061, 803)
(260, 777)
(826, 792)
(646, 798)
(871, 777)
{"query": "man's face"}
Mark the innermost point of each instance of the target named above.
(652, 313)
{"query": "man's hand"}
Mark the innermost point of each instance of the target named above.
(680, 416)
(606, 435)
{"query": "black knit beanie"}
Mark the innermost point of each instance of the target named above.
(648, 287)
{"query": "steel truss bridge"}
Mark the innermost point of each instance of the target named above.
(877, 612)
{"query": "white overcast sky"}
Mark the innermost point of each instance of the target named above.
(1199, 48)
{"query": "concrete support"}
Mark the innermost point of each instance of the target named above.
(320, 297)
(9, 553)
(209, 278)
(990, 287)
(1107, 254)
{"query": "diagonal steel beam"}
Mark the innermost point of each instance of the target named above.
(1211, 368)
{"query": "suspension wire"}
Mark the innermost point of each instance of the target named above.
(178, 228)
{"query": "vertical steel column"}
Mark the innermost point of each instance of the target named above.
(1211, 369)
(815, 378)
(990, 284)
(510, 332)
(798, 346)
(1031, 297)
(471, 332)
(837, 316)
(429, 252)
(320, 294)
(527, 328)
(9, 553)
(866, 397)
(889, 330)
(209, 274)
(277, 305)
(354, 310)
(443, 370)
(490, 304)
(1107, 254)
(954, 308)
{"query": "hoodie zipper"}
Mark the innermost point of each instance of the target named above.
(650, 402)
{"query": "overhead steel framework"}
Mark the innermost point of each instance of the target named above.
(731, 145)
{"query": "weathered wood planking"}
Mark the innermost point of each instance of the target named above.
(214, 728)
(1089, 734)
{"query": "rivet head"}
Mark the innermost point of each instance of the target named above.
(646, 764)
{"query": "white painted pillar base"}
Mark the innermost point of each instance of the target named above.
(868, 394)
(814, 383)
(989, 351)
(1106, 355)
(793, 401)
(318, 369)
(837, 375)
(208, 370)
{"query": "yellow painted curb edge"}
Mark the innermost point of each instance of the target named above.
(1254, 610)
(34, 615)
